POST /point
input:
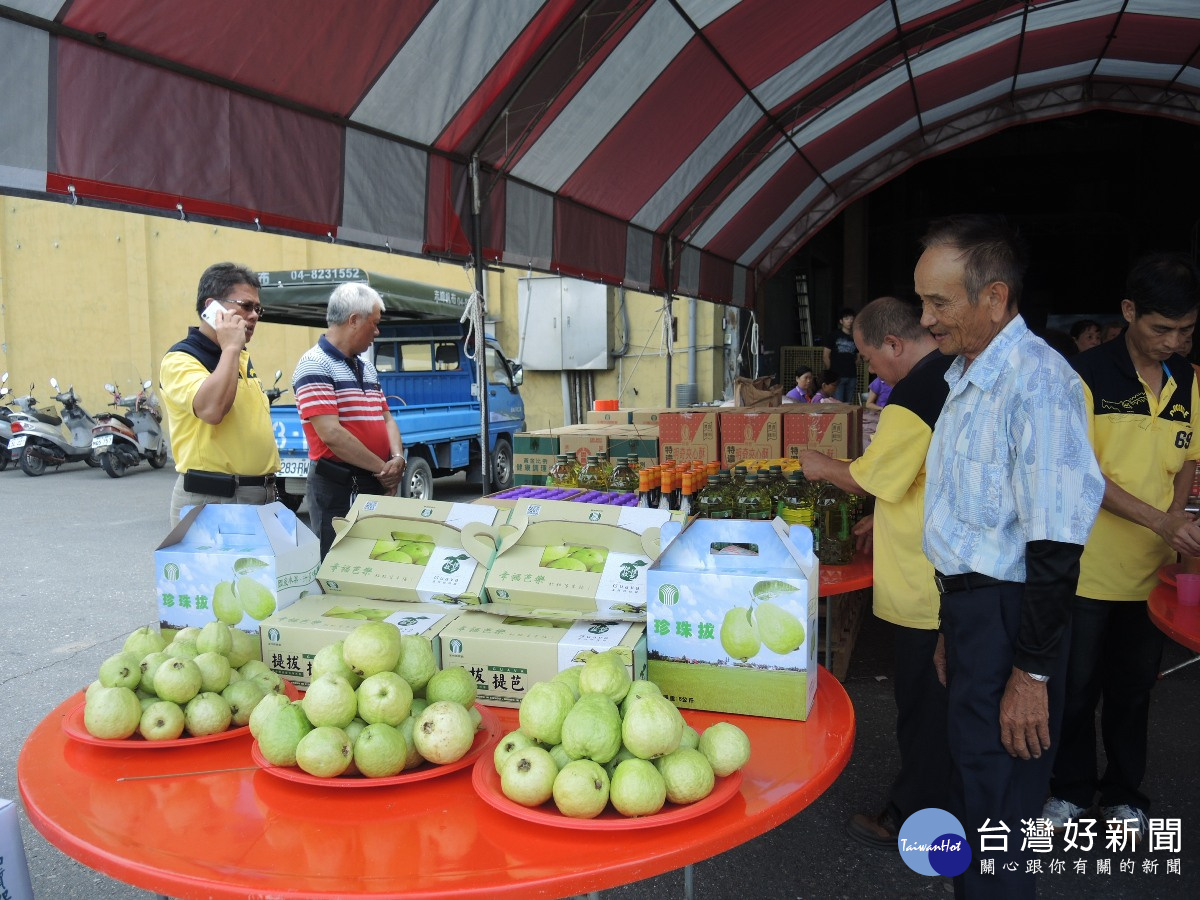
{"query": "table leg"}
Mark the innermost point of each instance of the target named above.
(689, 882)
(1178, 667)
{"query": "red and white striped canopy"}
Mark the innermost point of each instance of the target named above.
(689, 145)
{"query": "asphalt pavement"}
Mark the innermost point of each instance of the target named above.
(79, 550)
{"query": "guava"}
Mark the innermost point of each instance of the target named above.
(178, 680)
(144, 641)
(380, 751)
(330, 700)
(559, 755)
(553, 552)
(638, 689)
(280, 734)
(508, 745)
(417, 663)
(592, 729)
(372, 647)
(591, 557)
(264, 709)
(325, 752)
(726, 746)
(454, 683)
(622, 755)
(242, 696)
(258, 600)
(528, 777)
(420, 553)
(215, 637)
(780, 631)
(652, 728)
(690, 738)
(580, 789)
(570, 677)
(206, 713)
(395, 556)
(161, 721)
(270, 682)
(384, 697)
(226, 605)
(148, 666)
(604, 674)
(383, 546)
(214, 671)
(329, 660)
(543, 710)
(569, 563)
(182, 648)
(636, 788)
(687, 774)
(112, 713)
(413, 759)
(418, 706)
(738, 636)
(122, 669)
(245, 648)
(443, 733)
(147, 700)
(252, 667)
(476, 717)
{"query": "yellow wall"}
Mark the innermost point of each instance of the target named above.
(91, 295)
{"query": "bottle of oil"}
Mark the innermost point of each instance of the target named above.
(834, 517)
(712, 501)
(796, 505)
(591, 477)
(623, 479)
(753, 501)
(776, 483)
(562, 473)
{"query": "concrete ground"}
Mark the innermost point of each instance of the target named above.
(79, 548)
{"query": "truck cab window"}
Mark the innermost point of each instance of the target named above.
(497, 369)
(416, 357)
(446, 356)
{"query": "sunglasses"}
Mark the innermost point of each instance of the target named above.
(246, 306)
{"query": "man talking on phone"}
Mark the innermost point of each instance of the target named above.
(217, 413)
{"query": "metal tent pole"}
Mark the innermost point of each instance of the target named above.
(477, 324)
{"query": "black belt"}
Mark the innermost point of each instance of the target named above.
(968, 581)
(254, 480)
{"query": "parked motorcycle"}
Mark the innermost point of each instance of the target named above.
(122, 441)
(274, 392)
(5, 417)
(41, 443)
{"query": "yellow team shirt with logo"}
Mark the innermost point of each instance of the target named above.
(244, 441)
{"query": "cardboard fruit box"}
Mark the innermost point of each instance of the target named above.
(732, 618)
(223, 558)
(564, 560)
(687, 436)
(749, 434)
(392, 548)
(292, 637)
(835, 429)
(508, 654)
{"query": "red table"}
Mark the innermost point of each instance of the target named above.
(857, 575)
(1180, 623)
(245, 832)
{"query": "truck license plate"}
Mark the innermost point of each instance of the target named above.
(16, 443)
(104, 440)
(293, 468)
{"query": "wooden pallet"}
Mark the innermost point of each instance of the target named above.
(848, 612)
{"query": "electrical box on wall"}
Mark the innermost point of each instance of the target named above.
(563, 324)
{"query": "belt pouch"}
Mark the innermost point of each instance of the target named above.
(216, 484)
(338, 473)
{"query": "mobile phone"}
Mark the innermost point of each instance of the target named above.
(209, 314)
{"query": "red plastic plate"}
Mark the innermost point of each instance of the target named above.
(75, 729)
(1167, 573)
(488, 733)
(486, 781)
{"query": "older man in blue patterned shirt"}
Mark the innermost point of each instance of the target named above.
(1013, 490)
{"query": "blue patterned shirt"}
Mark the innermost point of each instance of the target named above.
(1010, 461)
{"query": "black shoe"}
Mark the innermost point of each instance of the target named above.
(881, 831)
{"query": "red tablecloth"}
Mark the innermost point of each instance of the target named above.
(230, 834)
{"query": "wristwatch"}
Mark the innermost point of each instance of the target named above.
(1042, 678)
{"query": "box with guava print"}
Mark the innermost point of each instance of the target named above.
(234, 563)
(396, 548)
(731, 624)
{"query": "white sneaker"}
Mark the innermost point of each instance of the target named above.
(1122, 813)
(1058, 812)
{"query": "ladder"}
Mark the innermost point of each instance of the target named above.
(802, 310)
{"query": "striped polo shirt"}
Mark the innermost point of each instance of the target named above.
(329, 383)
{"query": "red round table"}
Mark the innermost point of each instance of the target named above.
(1180, 623)
(245, 832)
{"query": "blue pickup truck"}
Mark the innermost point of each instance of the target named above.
(425, 370)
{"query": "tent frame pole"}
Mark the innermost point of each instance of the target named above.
(477, 325)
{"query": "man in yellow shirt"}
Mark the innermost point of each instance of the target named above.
(1143, 406)
(890, 338)
(217, 413)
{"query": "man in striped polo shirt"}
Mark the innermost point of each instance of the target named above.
(353, 441)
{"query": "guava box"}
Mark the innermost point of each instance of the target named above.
(507, 655)
(835, 429)
(567, 560)
(393, 548)
(731, 624)
(687, 436)
(268, 554)
(291, 638)
(749, 434)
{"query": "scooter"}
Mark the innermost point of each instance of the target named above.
(122, 441)
(41, 443)
(274, 392)
(5, 417)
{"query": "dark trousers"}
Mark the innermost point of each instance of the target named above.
(924, 777)
(981, 631)
(328, 499)
(1115, 654)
